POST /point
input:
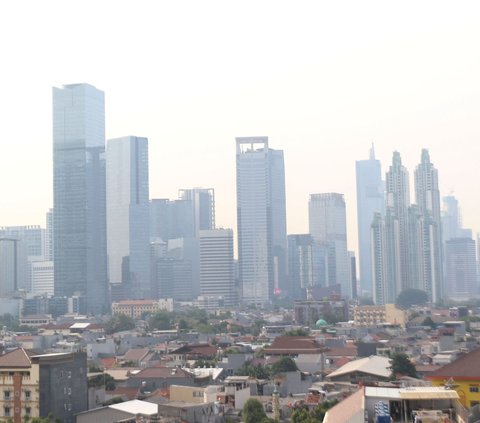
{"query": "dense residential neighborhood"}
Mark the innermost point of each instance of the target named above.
(418, 363)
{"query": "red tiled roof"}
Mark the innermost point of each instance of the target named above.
(283, 345)
(341, 352)
(18, 358)
(129, 393)
(135, 354)
(465, 367)
(108, 362)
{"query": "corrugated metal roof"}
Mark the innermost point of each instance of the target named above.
(428, 392)
(136, 407)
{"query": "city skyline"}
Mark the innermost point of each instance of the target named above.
(412, 87)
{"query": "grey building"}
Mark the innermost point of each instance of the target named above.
(461, 271)
(128, 237)
(328, 227)
(202, 201)
(300, 265)
(63, 384)
(80, 251)
(261, 220)
(13, 266)
(370, 200)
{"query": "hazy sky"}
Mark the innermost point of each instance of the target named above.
(321, 79)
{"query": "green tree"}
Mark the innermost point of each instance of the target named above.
(428, 322)
(118, 323)
(253, 411)
(285, 364)
(161, 320)
(411, 296)
(400, 364)
(258, 371)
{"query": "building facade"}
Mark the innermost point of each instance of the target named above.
(261, 219)
(80, 250)
(128, 237)
(370, 200)
(217, 276)
(328, 227)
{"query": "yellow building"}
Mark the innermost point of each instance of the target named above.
(374, 315)
(135, 308)
(19, 386)
(463, 375)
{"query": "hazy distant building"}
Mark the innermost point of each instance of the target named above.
(328, 227)
(261, 219)
(397, 203)
(217, 276)
(128, 237)
(427, 196)
(203, 207)
(48, 242)
(13, 266)
(80, 251)
(370, 200)
(171, 219)
(461, 271)
(300, 265)
(353, 273)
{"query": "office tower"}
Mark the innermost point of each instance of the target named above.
(370, 200)
(217, 277)
(383, 291)
(42, 278)
(353, 273)
(461, 273)
(13, 266)
(300, 265)
(128, 237)
(80, 261)
(171, 219)
(203, 207)
(261, 219)
(397, 203)
(31, 243)
(427, 196)
(328, 227)
(48, 244)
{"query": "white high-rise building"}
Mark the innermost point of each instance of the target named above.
(217, 276)
(128, 238)
(261, 220)
(328, 227)
(42, 278)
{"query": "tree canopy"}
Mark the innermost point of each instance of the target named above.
(411, 296)
(285, 364)
(119, 323)
(400, 364)
(253, 411)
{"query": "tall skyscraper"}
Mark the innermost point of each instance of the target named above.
(128, 238)
(370, 200)
(48, 244)
(80, 251)
(13, 266)
(397, 203)
(300, 265)
(217, 276)
(328, 227)
(261, 219)
(427, 196)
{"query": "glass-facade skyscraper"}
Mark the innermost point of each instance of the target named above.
(261, 219)
(80, 253)
(128, 238)
(370, 200)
